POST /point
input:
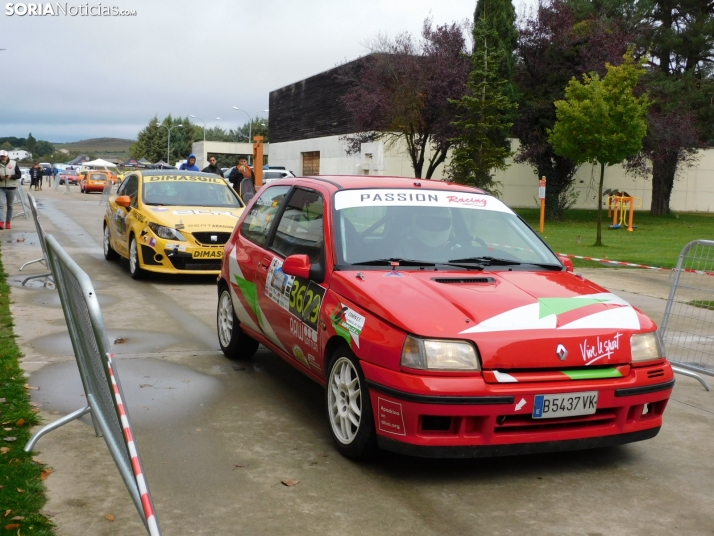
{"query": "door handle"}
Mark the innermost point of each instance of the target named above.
(265, 263)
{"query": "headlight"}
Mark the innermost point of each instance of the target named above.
(434, 354)
(646, 346)
(166, 232)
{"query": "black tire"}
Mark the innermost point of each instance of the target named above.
(235, 344)
(359, 441)
(109, 253)
(135, 269)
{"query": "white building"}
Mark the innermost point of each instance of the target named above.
(19, 154)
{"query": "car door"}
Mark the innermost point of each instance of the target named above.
(248, 265)
(120, 223)
(292, 304)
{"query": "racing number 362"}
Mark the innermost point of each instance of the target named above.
(305, 301)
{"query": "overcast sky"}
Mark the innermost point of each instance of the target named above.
(67, 78)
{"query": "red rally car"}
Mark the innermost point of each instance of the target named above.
(438, 321)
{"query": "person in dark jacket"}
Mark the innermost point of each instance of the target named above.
(35, 176)
(10, 175)
(190, 164)
(212, 167)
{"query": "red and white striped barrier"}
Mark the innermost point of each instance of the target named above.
(633, 265)
(146, 502)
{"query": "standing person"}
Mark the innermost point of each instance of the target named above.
(10, 174)
(35, 176)
(190, 164)
(212, 167)
(242, 180)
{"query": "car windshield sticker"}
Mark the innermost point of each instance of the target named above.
(347, 323)
(301, 297)
(416, 198)
(183, 178)
(564, 313)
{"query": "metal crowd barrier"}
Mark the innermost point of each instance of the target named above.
(688, 323)
(20, 197)
(41, 238)
(97, 370)
(106, 193)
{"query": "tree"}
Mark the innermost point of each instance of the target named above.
(680, 38)
(483, 142)
(44, 148)
(152, 141)
(404, 91)
(7, 146)
(260, 128)
(554, 46)
(32, 145)
(602, 121)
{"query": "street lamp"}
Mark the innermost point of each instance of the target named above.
(250, 127)
(204, 127)
(168, 142)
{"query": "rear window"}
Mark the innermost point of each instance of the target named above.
(98, 177)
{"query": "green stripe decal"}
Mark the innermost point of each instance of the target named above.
(558, 306)
(592, 374)
(250, 293)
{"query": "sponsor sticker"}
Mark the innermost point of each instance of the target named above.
(205, 212)
(379, 197)
(152, 242)
(391, 417)
(347, 323)
(600, 348)
(300, 355)
(313, 362)
(207, 253)
(182, 178)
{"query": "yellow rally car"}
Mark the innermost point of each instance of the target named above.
(171, 222)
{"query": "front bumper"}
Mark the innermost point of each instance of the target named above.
(467, 417)
(161, 256)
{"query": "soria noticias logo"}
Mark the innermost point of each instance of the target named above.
(64, 9)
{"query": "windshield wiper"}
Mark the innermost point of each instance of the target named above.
(496, 261)
(388, 262)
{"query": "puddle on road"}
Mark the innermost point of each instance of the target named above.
(136, 342)
(154, 390)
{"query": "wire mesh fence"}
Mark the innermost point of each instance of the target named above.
(105, 398)
(21, 199)
(688, 323)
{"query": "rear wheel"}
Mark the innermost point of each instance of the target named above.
(109, 253)
(234, 343)
(349, 408)
(135, 269)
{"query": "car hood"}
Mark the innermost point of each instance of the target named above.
(195, 218)
(518, 320)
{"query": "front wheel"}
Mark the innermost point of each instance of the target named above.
(135, 269)
(234, 343)
(349, 408)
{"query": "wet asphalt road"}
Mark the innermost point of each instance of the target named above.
(217, 437)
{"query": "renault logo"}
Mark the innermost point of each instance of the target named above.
(561, 352)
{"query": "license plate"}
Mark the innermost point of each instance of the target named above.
(564, 405)
(207, 254)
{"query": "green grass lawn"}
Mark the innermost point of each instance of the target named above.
(22, 492)
(657, 240)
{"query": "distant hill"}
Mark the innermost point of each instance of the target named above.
(101, 147)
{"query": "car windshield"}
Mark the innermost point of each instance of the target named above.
(374, 226)
(189, 191)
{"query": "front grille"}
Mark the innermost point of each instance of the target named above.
(187, 263)
(205, 238)
(509, 424)
(463, 280)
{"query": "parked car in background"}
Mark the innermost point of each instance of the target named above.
(25, 175)
(69, 175)
(270, 175)
(93, 181)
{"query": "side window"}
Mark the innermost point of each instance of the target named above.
(256, 225)
(301, 227)
(124, 184)
(131, 188)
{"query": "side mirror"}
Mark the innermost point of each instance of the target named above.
(297, 265)
(568, 263)
(125, 201)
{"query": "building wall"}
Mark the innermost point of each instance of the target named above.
(311, 108)
(693, 190)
